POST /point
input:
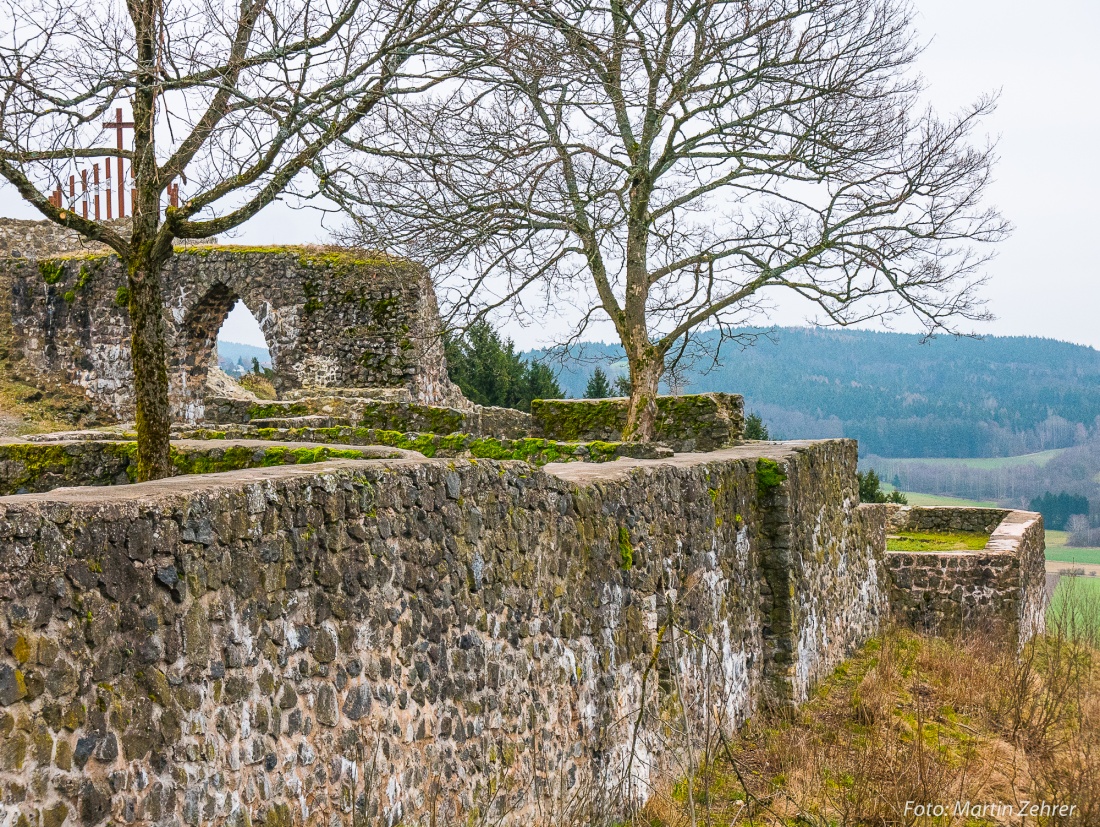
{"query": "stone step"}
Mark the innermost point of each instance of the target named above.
(373, 394)
(306, 421)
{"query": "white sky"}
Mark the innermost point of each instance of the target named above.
(1044, 60)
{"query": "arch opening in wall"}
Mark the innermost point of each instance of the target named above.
(243, 353)
(242, 346)
(200, 375)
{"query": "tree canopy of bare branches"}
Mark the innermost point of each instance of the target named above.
(669, 163)
(235, 97)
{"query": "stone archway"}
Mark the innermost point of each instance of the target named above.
(197, 347)
(332, 318)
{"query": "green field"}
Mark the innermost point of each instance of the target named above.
(1082, 594)
(1058, 551)
(935, 499)
(988, 463)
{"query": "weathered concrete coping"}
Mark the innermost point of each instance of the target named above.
(1011, 532)
(588, 473)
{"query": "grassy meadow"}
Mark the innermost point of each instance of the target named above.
(1039, 458)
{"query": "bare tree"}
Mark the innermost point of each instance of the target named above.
(667, 163)
(235, 97)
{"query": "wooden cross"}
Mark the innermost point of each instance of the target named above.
(118, 125)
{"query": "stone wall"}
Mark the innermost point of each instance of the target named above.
(362, 412)
(693, 422)
(826, 556)
(415, 640)
(1001, 586)
(944, 518)
(46, 464)
(21, 238)
(332, 318)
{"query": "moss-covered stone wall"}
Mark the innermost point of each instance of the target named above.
(28, 467)
(412, 641)
(694, 422)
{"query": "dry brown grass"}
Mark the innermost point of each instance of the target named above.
(259, 385)
(916, 719)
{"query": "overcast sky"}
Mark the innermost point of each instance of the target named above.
(1044, 60)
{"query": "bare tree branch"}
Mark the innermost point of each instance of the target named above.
(668, 162)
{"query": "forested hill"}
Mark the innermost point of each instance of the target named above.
(997, 396)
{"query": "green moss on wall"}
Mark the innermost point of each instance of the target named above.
(933, 541)
(239, 457)
(27, 463)
(534, 450)
(571, 420)
(384, 308)
(712, 419)
(278, 410)
(42, 467)
(769, 476)
(52, 271)
(626, 550)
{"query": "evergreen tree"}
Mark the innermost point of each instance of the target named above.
(488, 370)
(755, 427)
(870, 490)
(598, 387)
(623, 386)
(539, 383)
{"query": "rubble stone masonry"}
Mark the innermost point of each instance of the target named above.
(415, 639)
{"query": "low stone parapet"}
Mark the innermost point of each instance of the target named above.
(695, 422)
(1001, 587)
(362, 412)
(944, 518)
(44, 465)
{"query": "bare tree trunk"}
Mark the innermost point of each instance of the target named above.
(647, 362)
(150, 360)
(646, 366)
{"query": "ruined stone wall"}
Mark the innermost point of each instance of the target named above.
(1001, 586)
(362, 412)
(331, 318)
(411, 640)
(944, 518)
(22, 238)
(46, 464)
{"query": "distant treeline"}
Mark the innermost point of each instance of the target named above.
(1074, 471)
(1057, 509)
(234, 355)
(948, 397)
